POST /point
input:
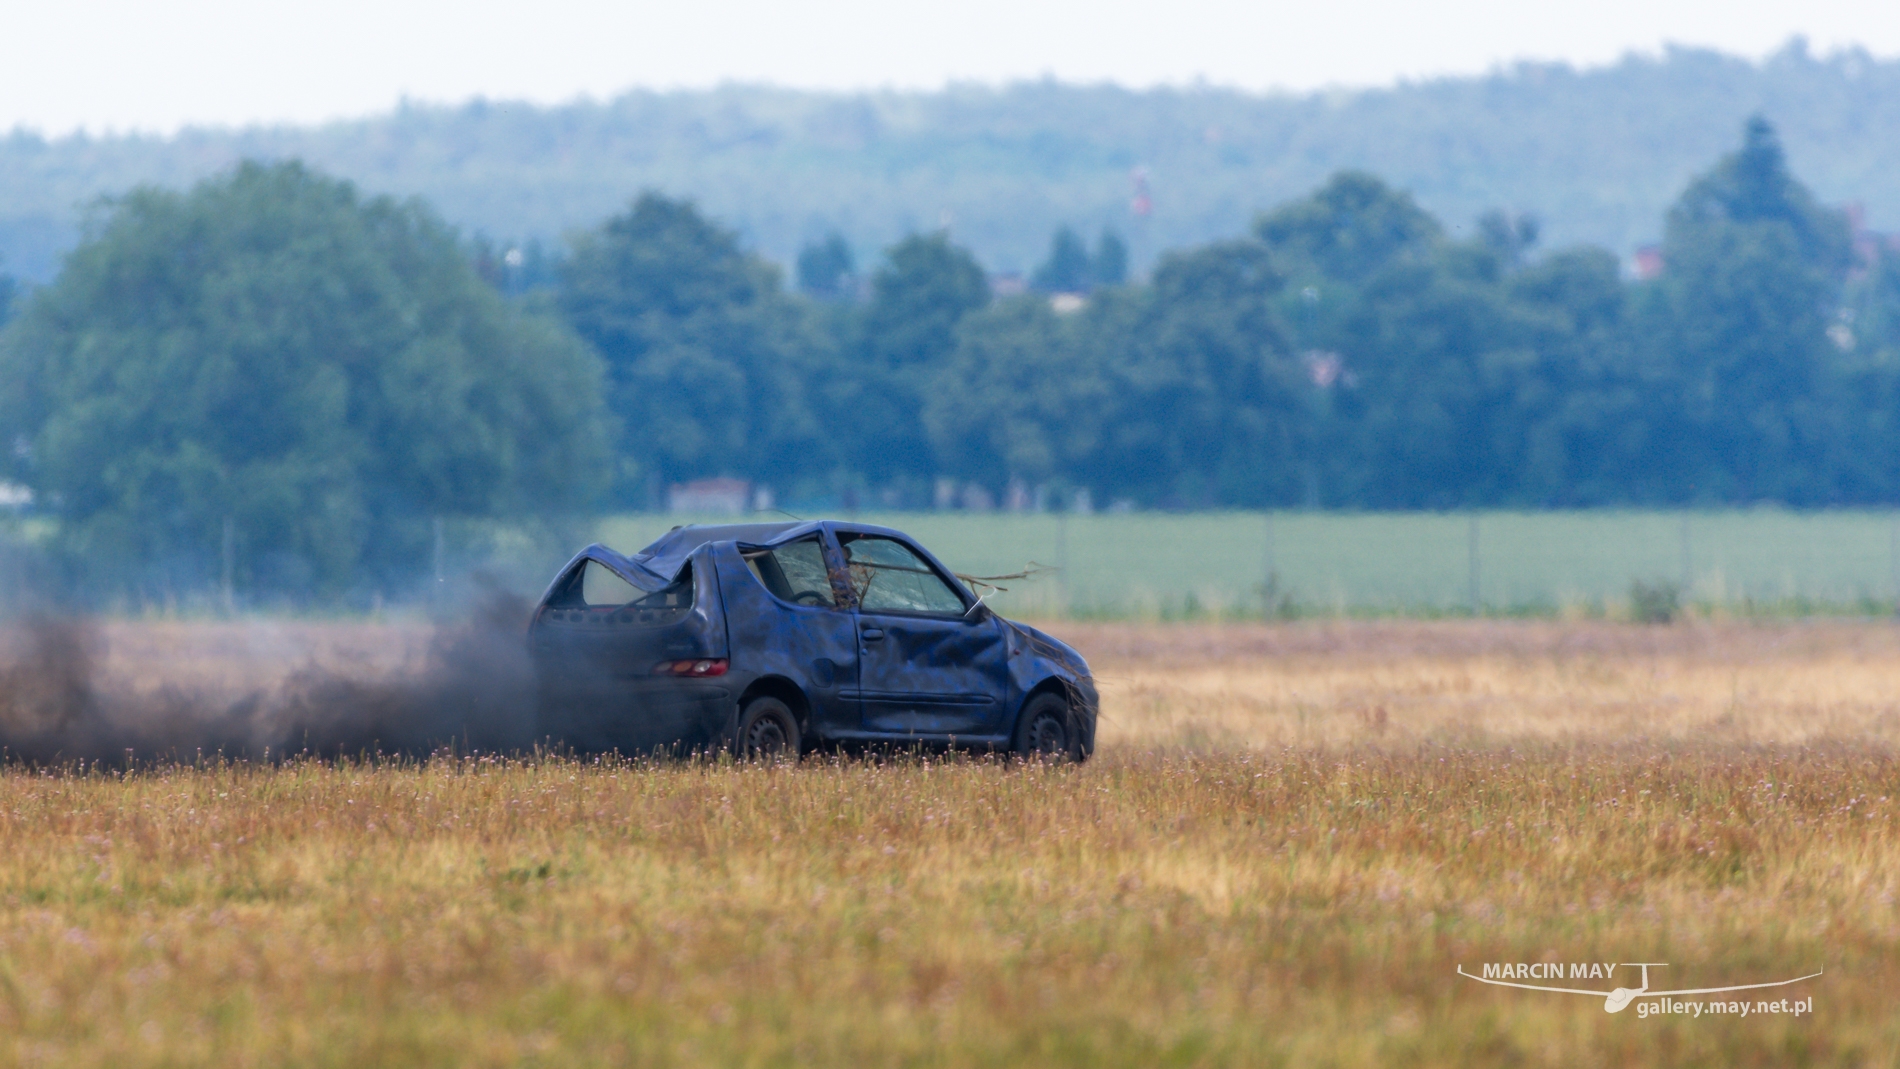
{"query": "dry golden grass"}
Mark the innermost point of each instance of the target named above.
(1259, 869)
(1402, 683)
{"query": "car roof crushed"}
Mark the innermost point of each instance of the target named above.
(658, 566)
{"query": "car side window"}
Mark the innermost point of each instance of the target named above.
(888, 576)
(794, 572)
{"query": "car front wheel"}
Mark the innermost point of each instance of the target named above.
(1046, 730)
(767, 731)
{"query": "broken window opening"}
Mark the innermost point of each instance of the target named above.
(794, 572)
(888, 577)
(596, 588)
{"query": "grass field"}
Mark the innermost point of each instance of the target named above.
(1291, 837)
(1155, 565)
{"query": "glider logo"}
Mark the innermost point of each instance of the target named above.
(1509, 975)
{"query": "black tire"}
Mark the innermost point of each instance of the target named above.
(1047, 730)
(767, 731)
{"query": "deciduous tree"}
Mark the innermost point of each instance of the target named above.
(273, 355)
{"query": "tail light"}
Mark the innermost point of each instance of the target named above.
(699, 669)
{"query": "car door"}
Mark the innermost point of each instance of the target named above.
(791, 619)
(926, 665)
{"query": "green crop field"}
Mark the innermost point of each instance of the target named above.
(1154, 565)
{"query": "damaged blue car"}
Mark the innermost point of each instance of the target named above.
(778, 638)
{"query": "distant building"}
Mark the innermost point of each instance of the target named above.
(1325, 368)
(14, 497)
(1869, 245)
(1008, 284)
(1142, 204)
(1647, 263)
(711, 497)
(977, 498)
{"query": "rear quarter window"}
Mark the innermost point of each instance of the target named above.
(596, 593)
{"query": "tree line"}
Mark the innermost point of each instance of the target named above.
(1600, 151)
(1347, 352)
(275, 359)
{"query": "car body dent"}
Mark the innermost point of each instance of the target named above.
(812, 648)
(923, 678)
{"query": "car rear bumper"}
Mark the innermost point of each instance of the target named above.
(636, 716)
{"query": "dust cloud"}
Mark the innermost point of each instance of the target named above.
(66, 696)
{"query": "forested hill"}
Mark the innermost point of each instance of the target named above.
(1596, 154)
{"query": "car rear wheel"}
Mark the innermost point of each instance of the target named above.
(767, 731)
(1046, 730)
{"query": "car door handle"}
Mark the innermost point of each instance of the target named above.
(872, 634)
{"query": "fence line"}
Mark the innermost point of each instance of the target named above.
(1244, 563)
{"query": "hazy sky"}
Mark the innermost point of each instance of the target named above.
(134, 64)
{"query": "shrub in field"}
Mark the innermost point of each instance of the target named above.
(1659, 602)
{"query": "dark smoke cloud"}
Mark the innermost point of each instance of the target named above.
(473, 691)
